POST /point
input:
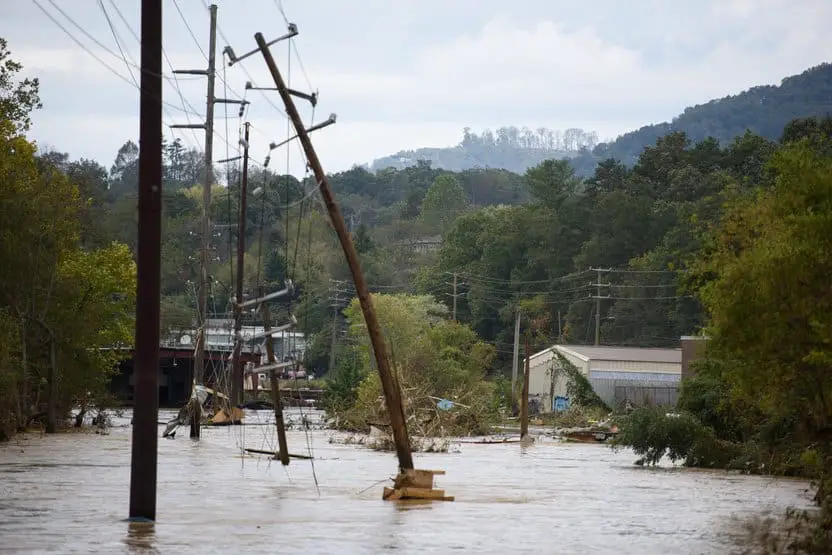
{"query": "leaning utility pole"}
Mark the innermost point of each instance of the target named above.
(205, 234)
(146, 408)
(392, 394)
(515, 362)
(274, 385)
(237, 372)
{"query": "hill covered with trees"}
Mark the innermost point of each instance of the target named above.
(763, 110)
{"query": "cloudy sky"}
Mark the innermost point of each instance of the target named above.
(410, 73)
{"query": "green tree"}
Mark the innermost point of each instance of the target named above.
(17, 98)
(769, 299)
(444, 202)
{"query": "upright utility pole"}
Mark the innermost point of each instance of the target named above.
(392, 394)
(515, 360)
(334, 337)
(208, 127)
(237, 372)
(52, 400)
(524, 399)
(454, 297)
(560, 329)
(146, 409)
(598, 285)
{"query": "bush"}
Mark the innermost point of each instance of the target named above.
(652, 434)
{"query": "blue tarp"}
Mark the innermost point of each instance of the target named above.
(444, 404)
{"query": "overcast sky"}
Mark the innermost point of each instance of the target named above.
(410, 73)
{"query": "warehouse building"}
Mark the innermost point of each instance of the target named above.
(620, 376)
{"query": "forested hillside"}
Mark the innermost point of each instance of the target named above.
(508, 148)
(763, 110)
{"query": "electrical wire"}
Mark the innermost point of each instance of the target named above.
(95, 56)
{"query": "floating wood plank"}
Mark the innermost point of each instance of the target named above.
(275, 455)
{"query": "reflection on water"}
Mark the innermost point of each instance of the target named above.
(69, 494)
(141, 537)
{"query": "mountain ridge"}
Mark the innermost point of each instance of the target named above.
(762, 109)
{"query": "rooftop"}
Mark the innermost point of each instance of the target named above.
(635, 354)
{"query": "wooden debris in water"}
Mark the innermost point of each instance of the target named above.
(416, 484)
(274, 454)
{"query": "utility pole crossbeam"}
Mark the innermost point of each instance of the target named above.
(288, 290)
(143, 456)
(274, 331)
(237, 371)
(598, 297)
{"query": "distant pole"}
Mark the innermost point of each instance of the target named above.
(52, 400)
(560, 330)
(334, 338)
(455, 283)
(524, 401)
(392, 393)
(598, 312)
(515, 360)
(146, 409)
(237, 373)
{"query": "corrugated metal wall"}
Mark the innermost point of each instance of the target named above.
(616, 389)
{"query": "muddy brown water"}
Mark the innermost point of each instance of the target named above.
(69, 493)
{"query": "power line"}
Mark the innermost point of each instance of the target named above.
(95, 56)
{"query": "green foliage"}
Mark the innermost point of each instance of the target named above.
(341, 392)
(653, 434)
(772, 249)
(444, 202)
(17, 98)
(578, 388)
(433, 358)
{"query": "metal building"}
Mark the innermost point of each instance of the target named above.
(619, 375)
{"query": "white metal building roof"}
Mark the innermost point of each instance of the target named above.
(633, 354)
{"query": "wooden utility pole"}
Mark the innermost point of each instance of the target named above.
(274, 380)
(524, 400)
(392, 394)
(454, 313)
(205, 224)
(598, 285)
(205, 234)
(334, 338)
(146, 408)
(237, 372)
(598, 312)
(52, 401)
(515, 361)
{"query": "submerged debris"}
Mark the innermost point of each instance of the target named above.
(380, 441)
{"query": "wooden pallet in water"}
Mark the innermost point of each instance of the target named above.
(416, 484)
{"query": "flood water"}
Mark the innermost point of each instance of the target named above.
(69, 493)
